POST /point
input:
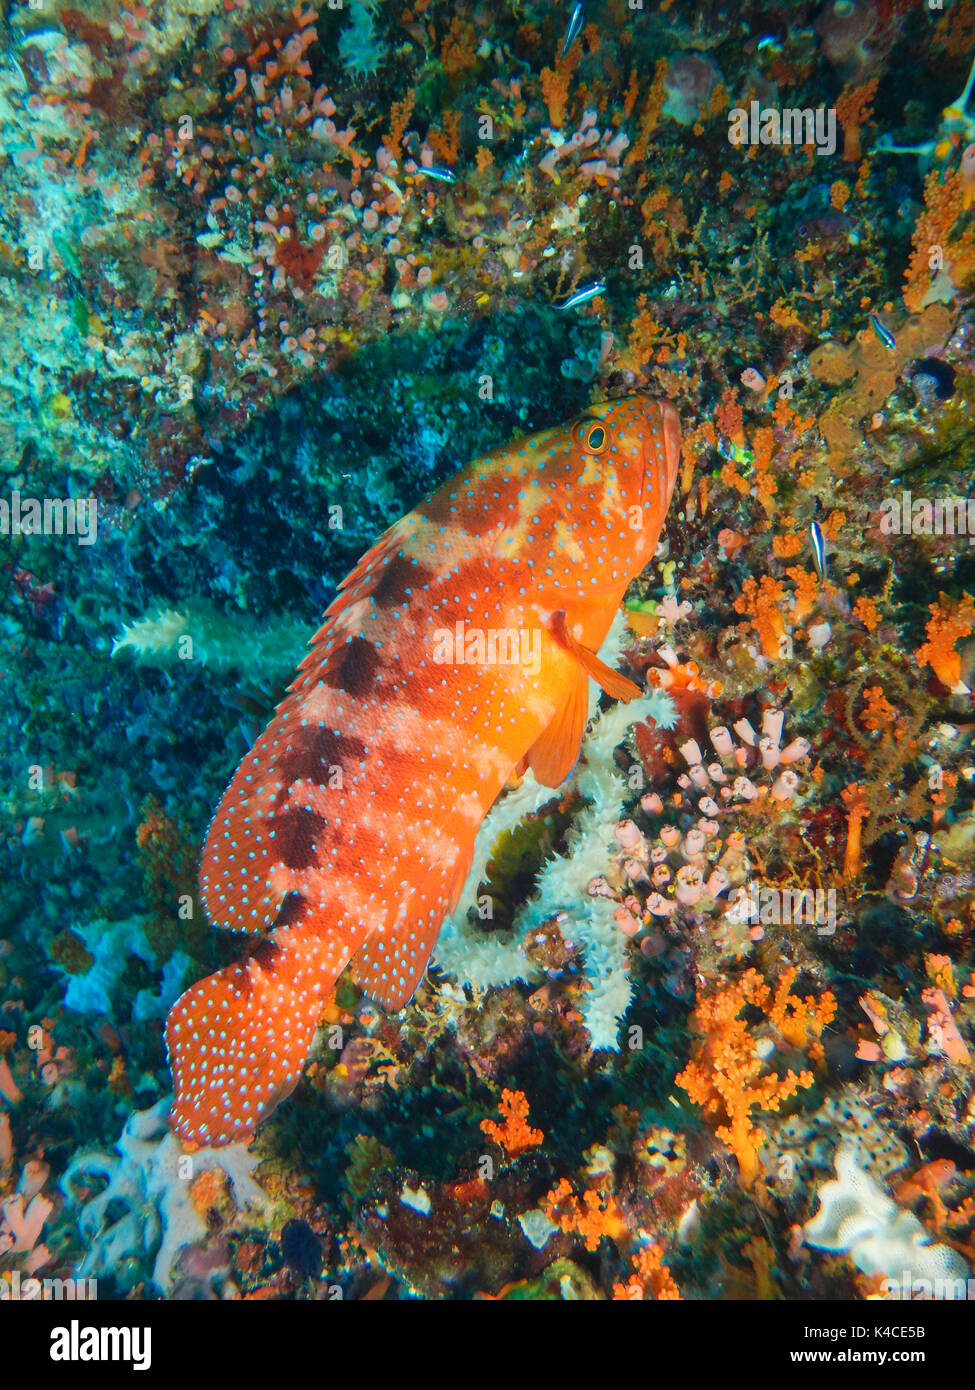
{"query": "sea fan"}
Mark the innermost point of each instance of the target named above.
(360, 47)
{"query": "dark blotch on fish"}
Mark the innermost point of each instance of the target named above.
(354, 668)
(399, 578)
(296, 831)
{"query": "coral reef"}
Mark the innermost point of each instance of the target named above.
(269, 273)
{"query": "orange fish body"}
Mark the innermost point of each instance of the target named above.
(456, 653)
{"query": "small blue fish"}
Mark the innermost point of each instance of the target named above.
(582, 296)
(819, 550)
(437, 171)
(575, 24)
(883, 333)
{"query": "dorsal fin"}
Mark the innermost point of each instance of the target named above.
(361, 582)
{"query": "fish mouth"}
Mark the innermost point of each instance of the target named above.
(671, 423)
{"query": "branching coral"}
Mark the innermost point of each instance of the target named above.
(360, 47)
(858, 1218)
(514, 1134)
(485, 961)
(948, 623)
(724, 1076)
(197, 632)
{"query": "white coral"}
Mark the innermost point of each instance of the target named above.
(857, 1217)
(146, 1206)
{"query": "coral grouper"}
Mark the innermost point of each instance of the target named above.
(456, 654)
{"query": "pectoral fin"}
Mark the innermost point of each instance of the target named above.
(553, 756)
(614, 684)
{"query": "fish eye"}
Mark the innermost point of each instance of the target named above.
(595, 438)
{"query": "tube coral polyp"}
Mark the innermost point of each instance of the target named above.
(724, 1076)
(857, 810)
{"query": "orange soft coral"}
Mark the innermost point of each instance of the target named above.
(724, 1076)
(760, 599)
(650, 1279)
(514, 1134)
(854, 108)
(936, 247)
(595, 1216)
(728, 416)
(878, 712)
(399, 114)
(555, 84)
(855, 802)
(650, 115)
(807, 591)
(801, 1021)
(949, 622)
(763, 446)
(866, 612)
(459, 50)
(786, 547)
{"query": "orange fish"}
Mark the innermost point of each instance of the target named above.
(456, 654)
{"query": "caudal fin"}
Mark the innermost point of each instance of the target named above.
(238, 1040)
